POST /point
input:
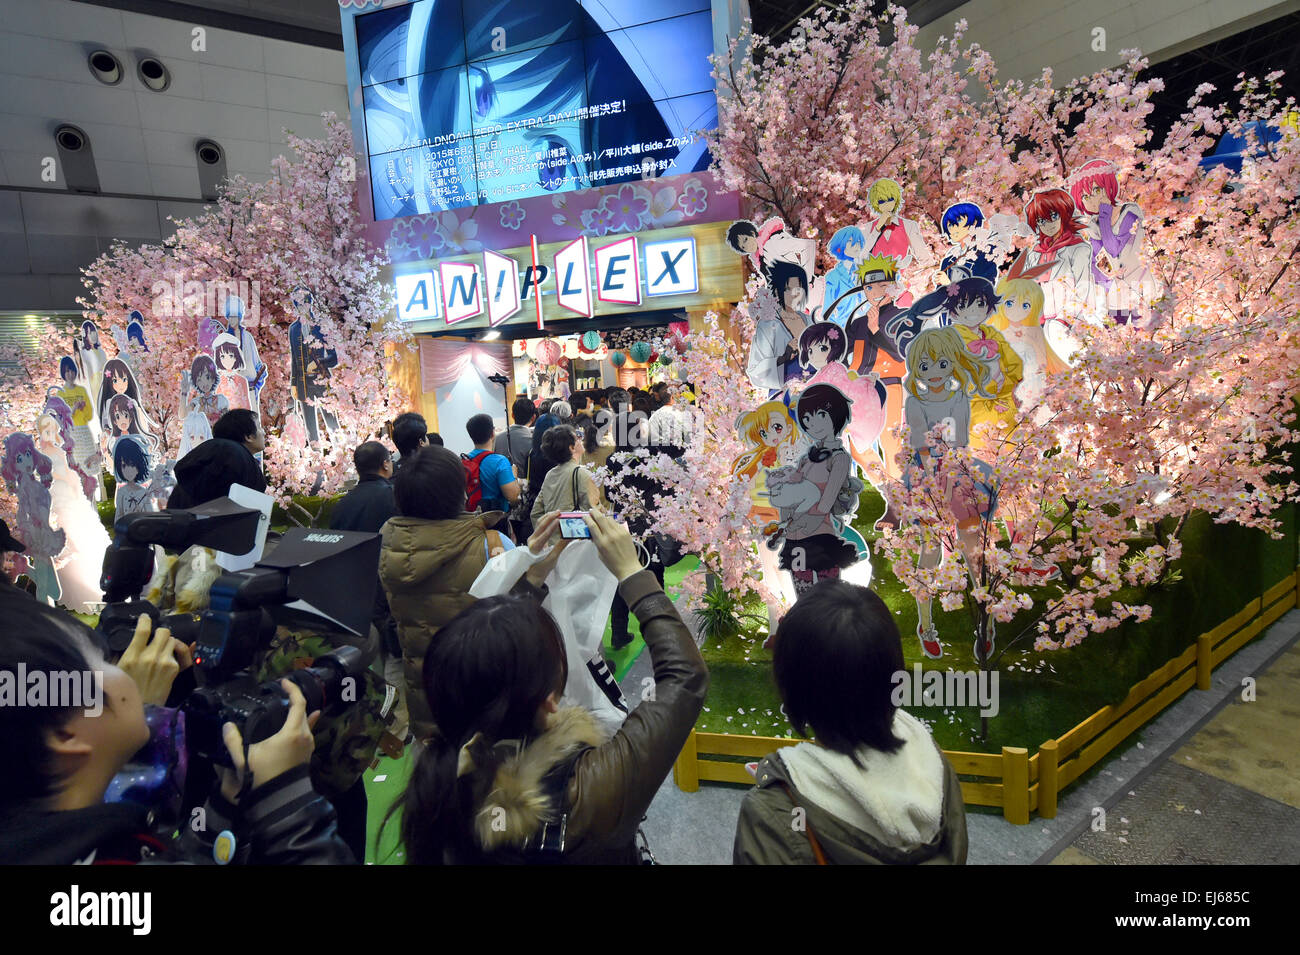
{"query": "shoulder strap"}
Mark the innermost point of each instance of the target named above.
(575, 487)
(818, 855)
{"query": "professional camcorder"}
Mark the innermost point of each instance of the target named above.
(314, 579)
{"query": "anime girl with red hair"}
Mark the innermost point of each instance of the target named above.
(1114, 230)
(1068, 287)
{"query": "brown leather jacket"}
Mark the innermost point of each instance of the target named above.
(427, 568)
(615, 780)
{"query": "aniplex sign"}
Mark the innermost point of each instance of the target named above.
(623, 272)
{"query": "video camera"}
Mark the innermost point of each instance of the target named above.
(322, 580)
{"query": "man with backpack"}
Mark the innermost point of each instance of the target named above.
(490, 482)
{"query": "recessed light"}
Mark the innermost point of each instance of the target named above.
(153, 74)
(105, 67)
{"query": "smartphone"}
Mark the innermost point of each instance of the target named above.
(573, 527)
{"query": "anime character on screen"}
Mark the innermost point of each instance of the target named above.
(773, 353)
(892, 235)
(1114, 230)
(229, 359)
(81, 562)
(942, 378)
(1068, 287)
(547, 79)
(27, 475)
(817, 497)
(85, 448)
(848, 245)
(131, 469)
(204, 396)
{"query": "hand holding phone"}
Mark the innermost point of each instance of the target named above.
(573, 527)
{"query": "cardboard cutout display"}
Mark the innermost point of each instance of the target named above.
(1069, 292)
(135, 329)
(135, 492)
(310, 362)
(203, 395)
(890, 234)
(119, 382)
(232, 383)
(195, 427)
(773, 353)
(1019, 318)
(977, 247)
(816, 498)
(848, 246)
(822, 354)
(253, 369)
(91, 358)
(942, 378)
(55, 437)
(1114, 231)
(28, 475)
(85, 449)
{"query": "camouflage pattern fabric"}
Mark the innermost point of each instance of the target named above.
(346, 741)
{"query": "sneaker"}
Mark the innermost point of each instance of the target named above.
(930, 644)
(1038, 571)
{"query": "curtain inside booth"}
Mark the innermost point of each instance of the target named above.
(442, 362)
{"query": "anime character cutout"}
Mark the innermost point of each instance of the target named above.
(1069, 293)
(822, 351)
(27, 475)
(848, 246)
(135, 329)
(310, 362)
(816, 498)
(1114, 231)
(229, 359)
(1019, 319)
(131, 469)
(967, 305)
(82, 559)
(770, 243)
(85, 447)
(773, 353)
(204, 396)
(978, 246)
(119, 380)
(942, 378)
(253, 369)
(91, 358)
(890, 234)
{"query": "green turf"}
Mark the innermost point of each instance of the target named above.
(1041, 694)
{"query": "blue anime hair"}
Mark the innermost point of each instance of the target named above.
(127, 451)
(66, 363)
(841, 240)
(955, 213)
(135, 333)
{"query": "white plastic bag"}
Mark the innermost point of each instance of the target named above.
(581, 589)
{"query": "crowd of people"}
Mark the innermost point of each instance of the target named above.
(506, 767)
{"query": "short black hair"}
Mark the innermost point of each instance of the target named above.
(236, 425)
(523, 411)
(430, 485)
(823, 397)
(579, 401)
(617, 398)
(544, 406)
(480, 428)
(835, 656)
(737, 229)
(408, 429)
(370, 457)
(434, 438)
(779, 276)
(557, 443)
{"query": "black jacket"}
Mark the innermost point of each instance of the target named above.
(366, 507)
(284, 822)
(206, 473)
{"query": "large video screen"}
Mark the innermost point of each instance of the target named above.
(469, 102)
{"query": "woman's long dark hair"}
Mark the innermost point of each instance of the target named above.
(487, 672)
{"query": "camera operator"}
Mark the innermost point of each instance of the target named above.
(59, 760)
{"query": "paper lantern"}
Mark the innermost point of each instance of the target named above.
(590, 341)
(618, 358)
(572, 349)
(665, 360)
(549, 352)
(639, 352)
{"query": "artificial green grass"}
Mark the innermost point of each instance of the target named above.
(1041, 694)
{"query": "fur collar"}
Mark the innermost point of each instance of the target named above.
(516, 805)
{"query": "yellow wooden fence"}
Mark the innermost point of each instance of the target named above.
(1014, 780)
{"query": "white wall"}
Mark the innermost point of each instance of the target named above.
(1025, 35)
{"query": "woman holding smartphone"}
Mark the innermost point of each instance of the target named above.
(568, 486)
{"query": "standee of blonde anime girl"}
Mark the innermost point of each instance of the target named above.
(942, 378)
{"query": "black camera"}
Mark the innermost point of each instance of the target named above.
(260, 709)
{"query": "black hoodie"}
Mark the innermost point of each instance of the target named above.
(206, 473)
